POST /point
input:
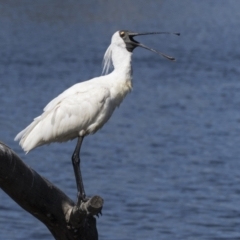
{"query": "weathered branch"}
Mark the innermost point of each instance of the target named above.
(45, 201)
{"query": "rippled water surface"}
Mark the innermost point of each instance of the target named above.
(168, 162)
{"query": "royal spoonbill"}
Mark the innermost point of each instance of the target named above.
(85, 107)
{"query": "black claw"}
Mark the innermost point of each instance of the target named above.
(100, 212)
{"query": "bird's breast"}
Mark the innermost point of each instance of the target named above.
(120, 90)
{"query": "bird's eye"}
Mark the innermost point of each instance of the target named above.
(122, 34)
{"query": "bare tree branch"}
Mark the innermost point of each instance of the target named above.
(46, 202)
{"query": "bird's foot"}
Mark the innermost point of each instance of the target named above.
(84, 199)
(81, 199)
(93, 204)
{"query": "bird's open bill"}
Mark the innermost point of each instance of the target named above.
(131, 43)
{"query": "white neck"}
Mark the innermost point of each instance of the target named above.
(122, 80)
(121, 59)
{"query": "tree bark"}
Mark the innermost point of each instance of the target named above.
(46, 202)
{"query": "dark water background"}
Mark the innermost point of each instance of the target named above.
(168, 162)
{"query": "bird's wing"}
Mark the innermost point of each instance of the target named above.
(64, 118)
(79, 111)
(68, 92)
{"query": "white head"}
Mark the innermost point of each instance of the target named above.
(117, 48)
(122, 46)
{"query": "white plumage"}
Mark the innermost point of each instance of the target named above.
(85, 107)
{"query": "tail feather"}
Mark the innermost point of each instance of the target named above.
(28, 137)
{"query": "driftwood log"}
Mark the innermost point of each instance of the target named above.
(46, 202)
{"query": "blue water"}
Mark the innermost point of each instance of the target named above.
(167, 163)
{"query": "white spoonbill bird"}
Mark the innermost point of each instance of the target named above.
(85, 107)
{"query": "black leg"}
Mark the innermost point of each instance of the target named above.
(77, 171)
